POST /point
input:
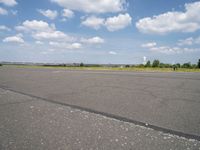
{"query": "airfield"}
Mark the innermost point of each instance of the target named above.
(53, 108)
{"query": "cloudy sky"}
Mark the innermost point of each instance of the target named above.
(99, 31)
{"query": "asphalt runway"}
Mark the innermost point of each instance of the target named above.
(166, 102)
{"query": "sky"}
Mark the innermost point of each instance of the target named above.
(100, 31)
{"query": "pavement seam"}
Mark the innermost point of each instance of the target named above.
(112, 116)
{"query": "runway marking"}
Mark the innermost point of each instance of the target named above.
(112, 116)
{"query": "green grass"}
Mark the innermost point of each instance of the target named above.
(137, 69)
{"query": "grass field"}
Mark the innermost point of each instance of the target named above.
(137, 69)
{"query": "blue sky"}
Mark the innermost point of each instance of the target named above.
(99, 31)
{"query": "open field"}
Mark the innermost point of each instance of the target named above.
(55, 107)
(138, 69)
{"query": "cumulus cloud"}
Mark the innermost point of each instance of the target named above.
(188, 21)
(56, 35)
(34, 25)
(172, 50)
(3, 11)
(118, 22)
(189, 41)
(14, 39)
(9, 2)
(149, 45)
(112, 23)
(39, 43)
(93, 22)
(153, 47)
(67, 13)
(51, 14)
(41, 30)
(62, 45)
(4, 28)
(93, 40)
(112, 53)
(75, 46)
(92, 6)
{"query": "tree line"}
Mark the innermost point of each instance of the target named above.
(158, 64)
(155, 64)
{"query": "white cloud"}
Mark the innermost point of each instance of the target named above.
(118, 22)
(2, 27)
(189, 41)
(93, 22)
(51, 14)
(171, 50)
(34, 25)
(149, 45)
(188, 21)
(3, 11)
(67, 13)
(61, 45)
(53, 35)
(8, 2)
(14, 39)
(93, 40)
(93, 6)
(75, 46)
(112, 53)
(56, 44)
(112, 23)
(41, 30)
(39, 42)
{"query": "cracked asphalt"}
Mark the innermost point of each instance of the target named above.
(63, 109)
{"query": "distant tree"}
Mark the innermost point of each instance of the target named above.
(81, 64)
(140, 65)
(174, 67)
(178, 65)
(186, 65)
(168, 65)
(162, 65)
(0, 65)
(198, 65)
(156, 63)
(194, 66)
(148, 64)
(127, 66)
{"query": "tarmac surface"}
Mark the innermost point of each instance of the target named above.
(63, 109)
